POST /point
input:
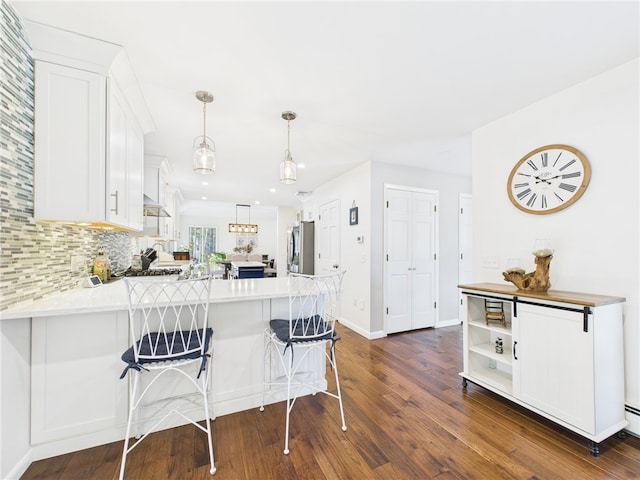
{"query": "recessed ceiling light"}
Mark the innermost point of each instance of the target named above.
(205, 183)
(257, 202)
(272, 190)
(204, 198)
(302, 165)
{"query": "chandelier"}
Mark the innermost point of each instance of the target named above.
(204, 155)
(288, 166)
(243, 228)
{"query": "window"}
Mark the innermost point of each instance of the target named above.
(202, 243)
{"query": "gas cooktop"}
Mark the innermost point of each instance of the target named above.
(155, 272)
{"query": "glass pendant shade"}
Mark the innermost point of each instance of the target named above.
(204, 155)
(288, 170)
(204, 159)
(288, 166)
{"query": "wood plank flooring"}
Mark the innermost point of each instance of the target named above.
(408, 417)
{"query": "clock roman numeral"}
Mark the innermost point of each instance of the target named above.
(558, 197)
(567, 187)
(531, 164)
(520, 185)
(523, 194)
(532, 200)
(567, 164)
(544, 201)
(557, 158)
(545, 158)
(572, 175)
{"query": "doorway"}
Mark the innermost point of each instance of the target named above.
(328, 257)
(411, 268)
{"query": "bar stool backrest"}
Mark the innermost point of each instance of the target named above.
(314, 306)
(169, 318)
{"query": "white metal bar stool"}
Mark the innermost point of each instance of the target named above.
(169, 325)
(314, 306)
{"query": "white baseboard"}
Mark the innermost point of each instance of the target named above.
(361, 331)
(448, 323)
(19, 468)
(632, 415)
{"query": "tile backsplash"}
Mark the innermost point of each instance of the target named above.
(35, 257)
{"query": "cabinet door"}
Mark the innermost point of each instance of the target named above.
(75, 385)
(135, 171)
(117, 192)
(69, 173)
(553, 363)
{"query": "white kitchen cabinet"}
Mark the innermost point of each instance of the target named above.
(76, 393)
(88, 150)
(125, 163)
(156, 172)
(89, 134)
(562, 355)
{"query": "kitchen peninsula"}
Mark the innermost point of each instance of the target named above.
(77, 337)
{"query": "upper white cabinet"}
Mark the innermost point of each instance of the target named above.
(560, 354)
(90, 123)
(156, 172)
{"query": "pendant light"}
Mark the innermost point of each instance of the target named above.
(243, 228)
(204, 154)
(288, 166)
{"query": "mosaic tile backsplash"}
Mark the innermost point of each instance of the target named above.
(35, 257)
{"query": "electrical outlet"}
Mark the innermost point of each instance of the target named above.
(491, 262)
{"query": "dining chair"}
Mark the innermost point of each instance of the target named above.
(314, 306)
(169, 320)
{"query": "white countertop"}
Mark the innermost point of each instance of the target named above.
(113, 296)
(245, 263)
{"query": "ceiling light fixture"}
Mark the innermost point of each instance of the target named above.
(204, 155)
(288, 166)
(243, 228)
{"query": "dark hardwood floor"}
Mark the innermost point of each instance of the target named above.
(408, 417)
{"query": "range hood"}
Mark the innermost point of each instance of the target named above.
(151, 209)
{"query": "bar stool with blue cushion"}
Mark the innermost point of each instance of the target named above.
(314, 306)
(170, 321)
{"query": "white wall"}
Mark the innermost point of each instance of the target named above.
(449, 187)
(596, 239)
(364, 280)
(354, 186)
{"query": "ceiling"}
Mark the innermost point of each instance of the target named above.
(397, 82)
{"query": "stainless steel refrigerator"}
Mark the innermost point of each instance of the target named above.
(301, 251)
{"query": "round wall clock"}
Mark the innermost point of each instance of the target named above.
(548, 179)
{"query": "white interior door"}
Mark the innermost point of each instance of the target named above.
(410, 278)
(423, 260)
(328, 255)
(465, 245)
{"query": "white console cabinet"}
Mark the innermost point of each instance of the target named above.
(562, 355)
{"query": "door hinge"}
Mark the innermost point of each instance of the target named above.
(461, 211)
(387, 203)
(387, 310)
(461, 256)
(435, 256)
(435, 304)
(435, 208)
(319, 254)
(319, 217)
(387, 257)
